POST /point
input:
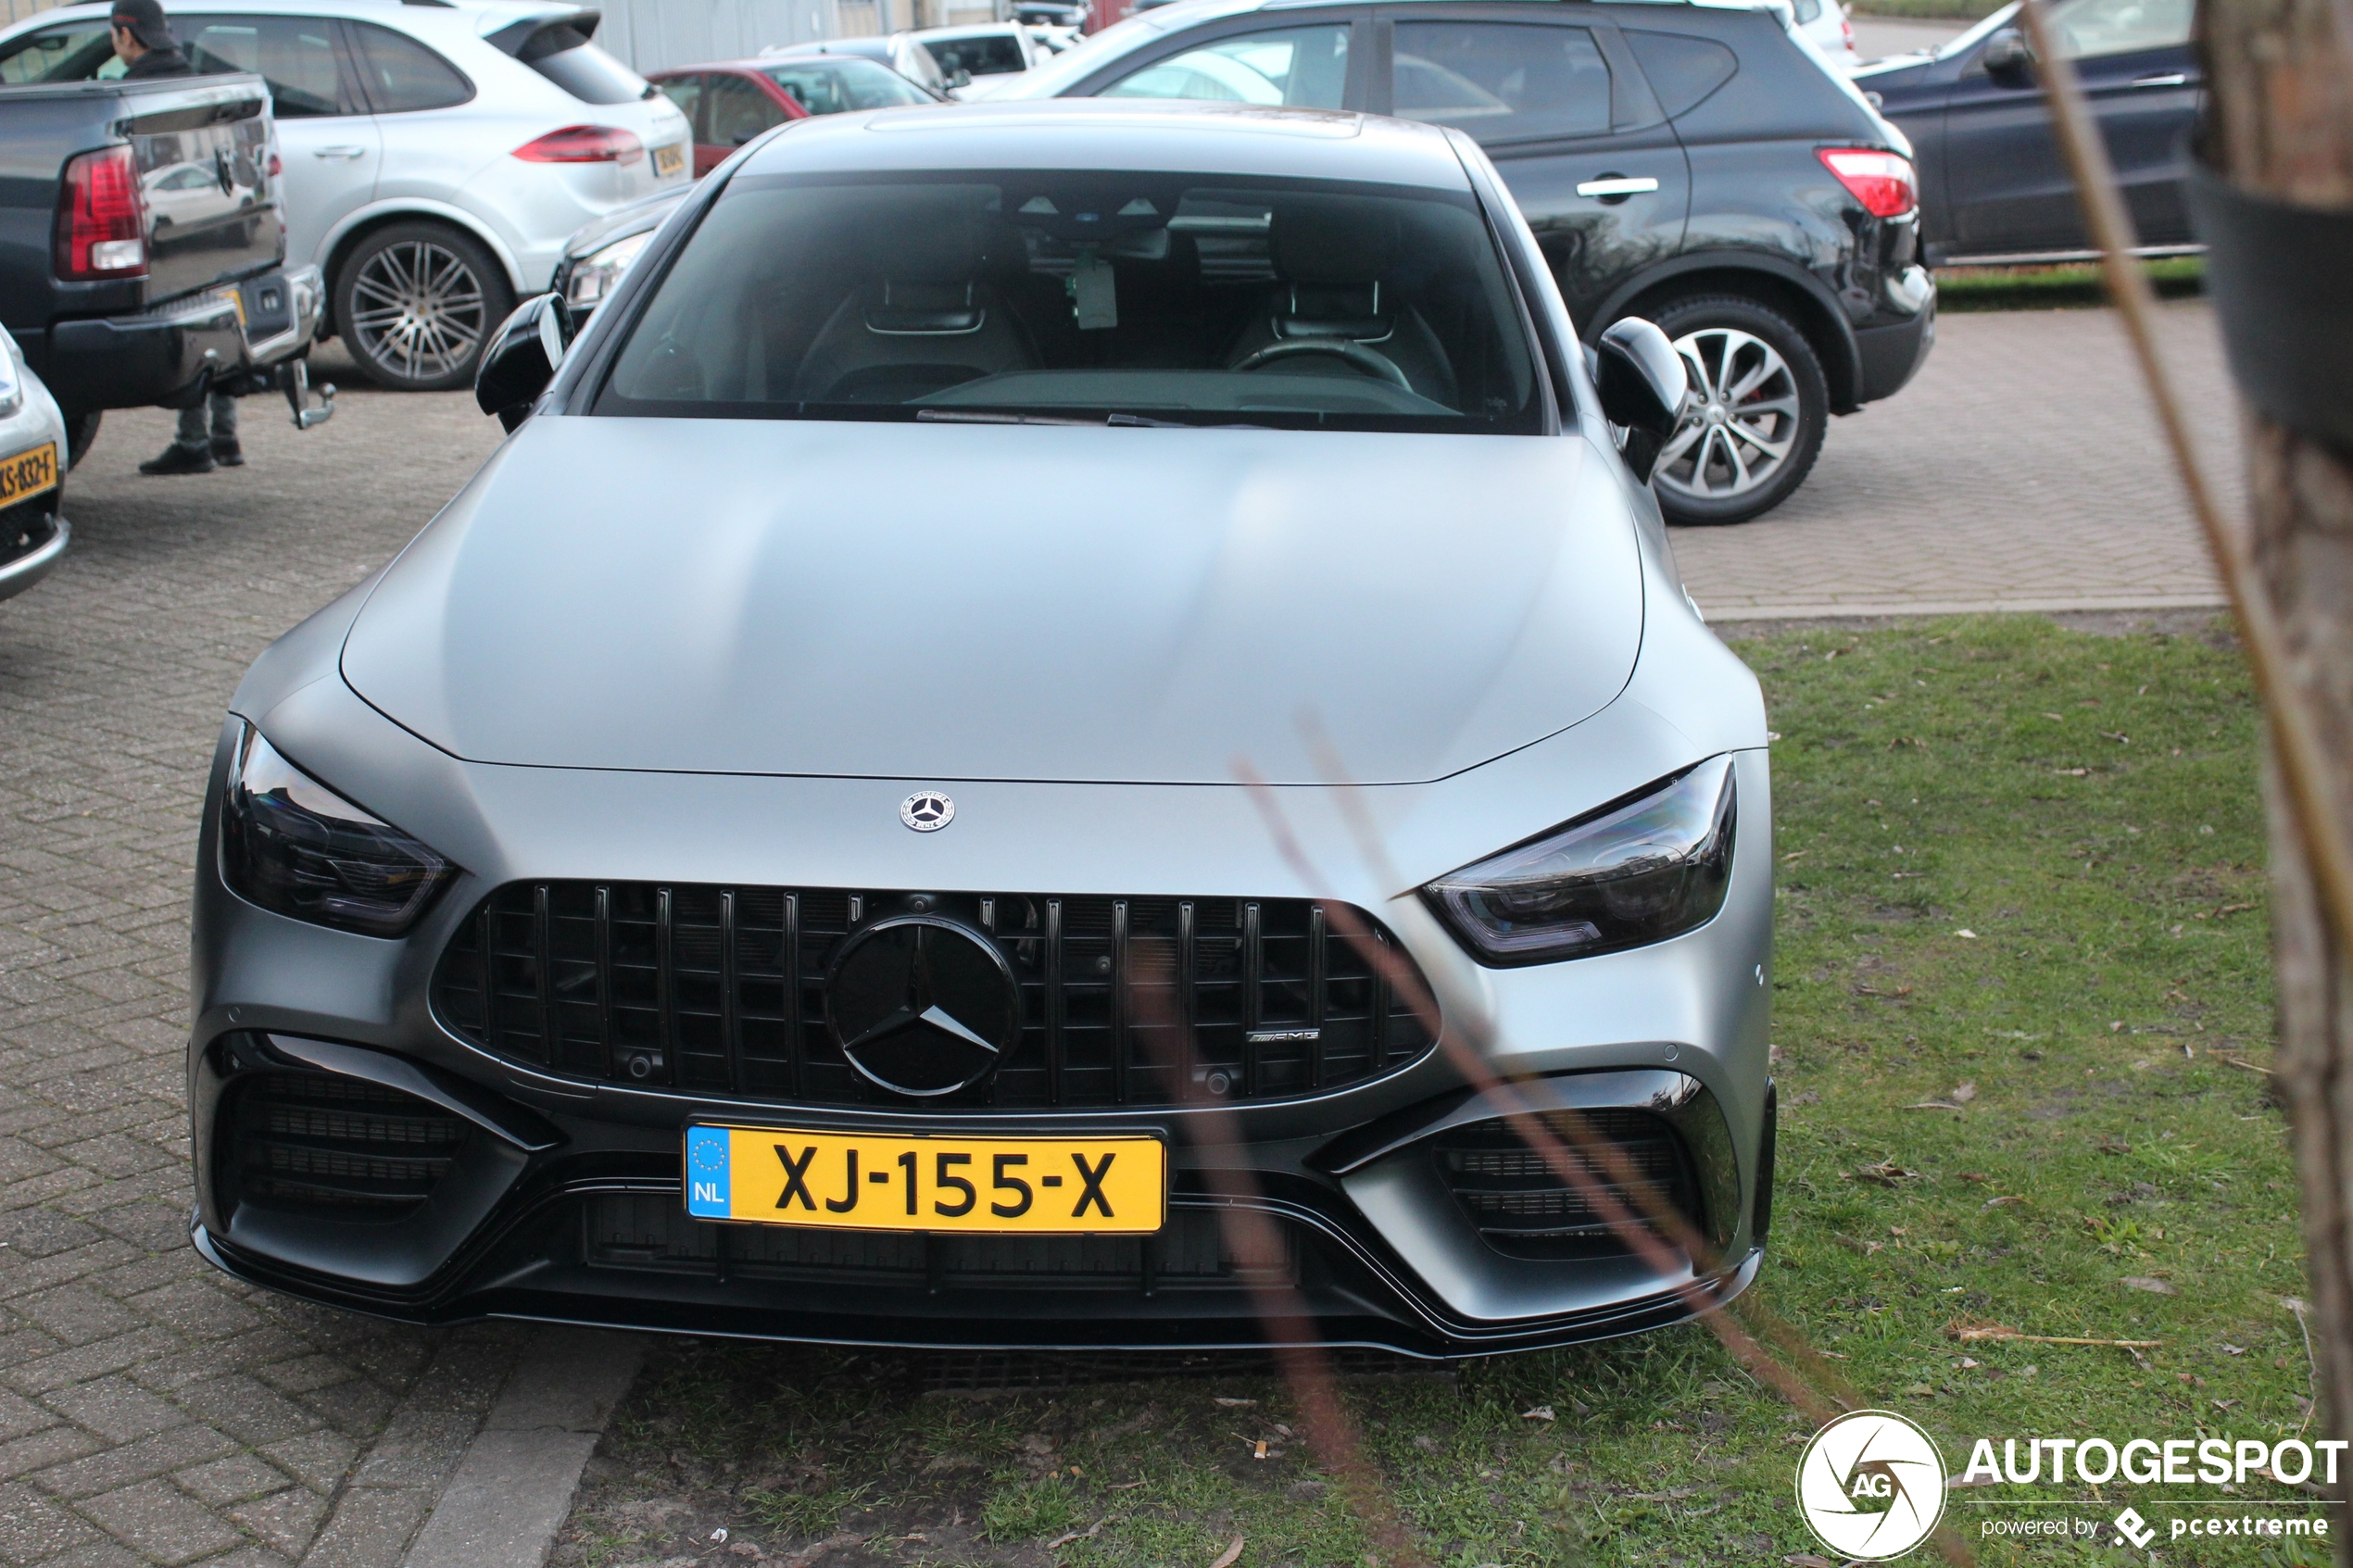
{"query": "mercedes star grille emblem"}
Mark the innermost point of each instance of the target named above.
(922, 1006)
(928, 810)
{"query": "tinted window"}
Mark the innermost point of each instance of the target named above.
(832, 86)
(295, 54)
(1501, 82)
(403, 74)
(738, 112)
(686, 92)
(1303, 66)
(74, 53)
(993, 53)
(1076, 295)
(1682, 70)
(2086, 28)
(565, 57)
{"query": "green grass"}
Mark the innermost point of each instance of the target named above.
(2087, 808)
(2073, 287)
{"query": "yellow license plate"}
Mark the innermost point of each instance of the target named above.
(670, 159)
(866, 1181)
(28, 473)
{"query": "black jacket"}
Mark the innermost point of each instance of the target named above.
(159, 62)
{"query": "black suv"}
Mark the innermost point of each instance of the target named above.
(1694, 164)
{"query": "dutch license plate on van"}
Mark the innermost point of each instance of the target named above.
(1109, 1185)
(669, 160)
(28, 473)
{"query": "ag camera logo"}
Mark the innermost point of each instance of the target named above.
(1872, 1485)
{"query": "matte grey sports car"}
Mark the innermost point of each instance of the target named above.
(1066, 725)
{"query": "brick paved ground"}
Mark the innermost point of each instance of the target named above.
(151, 1411)
(2021, 466)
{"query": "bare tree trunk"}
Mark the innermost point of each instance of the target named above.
(2281, 75)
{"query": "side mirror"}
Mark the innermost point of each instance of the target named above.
(1644, 387)
(2008, 58)
(961, 79)
(522, 357)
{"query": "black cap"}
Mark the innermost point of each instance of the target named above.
(145, 18)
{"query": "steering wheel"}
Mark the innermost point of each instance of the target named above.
(1378, 365)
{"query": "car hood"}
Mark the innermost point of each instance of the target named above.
(943, 602)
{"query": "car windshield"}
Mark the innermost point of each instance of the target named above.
(836, 85)
(1087, 296)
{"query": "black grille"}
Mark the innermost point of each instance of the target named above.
(1522, 1207)
(27, 526)
(1125, 1001)
(339, 1148)
(653, 1231)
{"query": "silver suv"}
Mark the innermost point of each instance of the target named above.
(436, 155)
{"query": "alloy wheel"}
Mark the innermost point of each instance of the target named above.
(418, 310)
(1742, 423)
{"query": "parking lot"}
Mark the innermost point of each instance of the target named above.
(152, 1412)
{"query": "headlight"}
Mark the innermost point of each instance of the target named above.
(1642, 870)
(291, 845)
(595, 275)
(11, 376)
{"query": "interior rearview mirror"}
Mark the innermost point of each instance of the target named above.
(2008, 57)
(522, 357)
(1644, 387)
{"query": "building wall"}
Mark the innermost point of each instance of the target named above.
(655, 34)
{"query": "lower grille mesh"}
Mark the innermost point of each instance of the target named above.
(318, 1143)
(1524, 1209)
(652, 1231)
(1124, 1001)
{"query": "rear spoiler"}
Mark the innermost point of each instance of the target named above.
(537, 37)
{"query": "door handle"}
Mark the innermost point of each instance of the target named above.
(1618, 185)
(2175, 79)
(339, 152)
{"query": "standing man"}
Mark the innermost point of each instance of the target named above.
(143, 41)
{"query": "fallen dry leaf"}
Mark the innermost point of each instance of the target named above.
(2144, 1282)
(1058, 1541)
(1964, 1093)
(2000, 1202)
(1886, 1172)
(1933, 1105)
(1231, 1404)
(1230, 1556)
(1966, 933)
(1540, 1412)
(1974, 1176)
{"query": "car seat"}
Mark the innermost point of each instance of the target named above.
(924, 320)
(1333, 259)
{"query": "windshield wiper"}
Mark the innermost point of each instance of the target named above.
(1117, 420)
(974, 416)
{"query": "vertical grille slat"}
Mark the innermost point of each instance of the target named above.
(1147, 1000)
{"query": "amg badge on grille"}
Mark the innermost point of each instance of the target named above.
(928, 810)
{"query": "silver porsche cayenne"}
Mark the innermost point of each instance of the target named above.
(1066, 725)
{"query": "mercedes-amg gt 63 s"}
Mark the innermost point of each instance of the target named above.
(1066, 725)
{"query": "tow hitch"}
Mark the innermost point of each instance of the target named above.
(294, 378)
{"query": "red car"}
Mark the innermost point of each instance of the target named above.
(731, 103)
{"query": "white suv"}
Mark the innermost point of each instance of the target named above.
(437, 156)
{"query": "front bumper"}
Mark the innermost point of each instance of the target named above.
(1323, 1217)
(173, 353)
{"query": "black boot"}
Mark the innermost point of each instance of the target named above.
(227, 453)
(177, 458)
